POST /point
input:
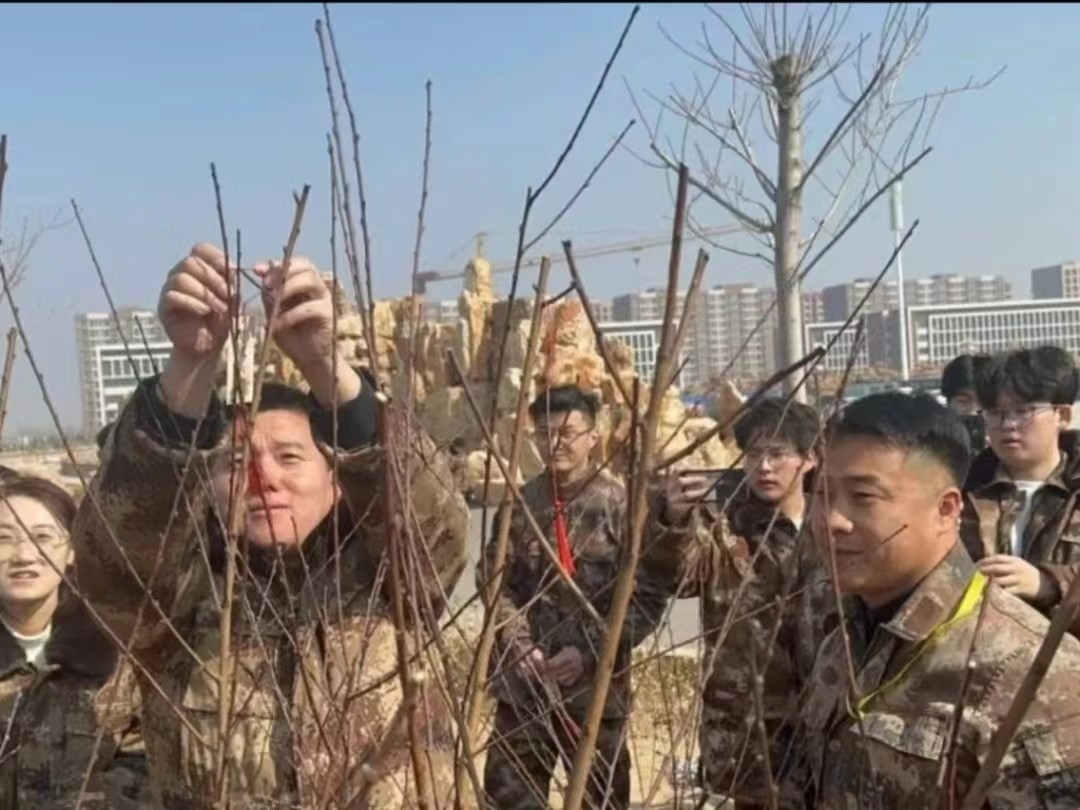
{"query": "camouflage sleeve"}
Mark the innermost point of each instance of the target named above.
(655, 583)
(1041, 770)
(971, 530)
(1058, 579)
(136, 530)
(657, 577)
(437, 516)
(1041, 767)
(508, 616)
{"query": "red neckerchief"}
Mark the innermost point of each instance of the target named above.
(562, 534)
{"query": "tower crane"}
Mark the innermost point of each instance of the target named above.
(423, 279)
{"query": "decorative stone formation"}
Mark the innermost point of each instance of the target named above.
(567, 354)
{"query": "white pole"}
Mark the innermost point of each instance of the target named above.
(897, 217)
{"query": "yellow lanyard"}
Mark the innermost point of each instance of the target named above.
(967, 606)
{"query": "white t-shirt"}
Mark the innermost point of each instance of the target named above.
(1027, 490)
(33, 646)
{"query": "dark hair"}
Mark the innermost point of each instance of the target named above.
(54, 498)
(1045, 374)
(961, 373)
(792, 422)
(278, 397)
(913, 422)
(564, 399)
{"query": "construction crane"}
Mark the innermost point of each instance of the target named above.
(423, 279)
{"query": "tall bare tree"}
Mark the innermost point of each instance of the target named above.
(798, 190)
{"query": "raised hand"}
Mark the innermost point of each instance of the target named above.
(303, 328)
(194, 304)
(194, 309)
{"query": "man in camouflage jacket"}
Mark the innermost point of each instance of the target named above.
(882, 728)
(310, 712)
(766, 605)
(547, 642)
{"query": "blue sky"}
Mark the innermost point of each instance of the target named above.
(123, 107)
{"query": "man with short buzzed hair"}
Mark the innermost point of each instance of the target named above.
(929, 632)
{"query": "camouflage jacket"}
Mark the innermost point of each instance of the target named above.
(910, 674)
(535, 605)
(766, 607)
(52, 717)
(1052, 536)
(313, 670)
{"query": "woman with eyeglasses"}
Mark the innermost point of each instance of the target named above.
(61, 683)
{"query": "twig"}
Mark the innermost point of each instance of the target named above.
(773, 381)
(9, 369)
(3, 170)
(511, 484)
(586, 305)
(494, 586)
(351, 249)
(227, 684)
(630, 553)
(581, 189)
(364, 230)
(1063, 617)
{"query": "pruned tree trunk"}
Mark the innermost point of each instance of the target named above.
(789, 216)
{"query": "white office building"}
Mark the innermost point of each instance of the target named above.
(839, 355)
(108, 373)
(643, 339)
(937, 334)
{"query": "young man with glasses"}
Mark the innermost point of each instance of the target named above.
(547, 643)
(1020, 522)
(766, 604)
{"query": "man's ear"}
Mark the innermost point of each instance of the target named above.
(811, 461)
(1065, 413)
(951, 506)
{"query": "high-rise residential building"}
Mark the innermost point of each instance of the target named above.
(813, 307)
(108, 373)
(648, 306)
(728, 333)
(738, 334)
(840, 300)
(937, 334)
(602, 310)
(1056, 281)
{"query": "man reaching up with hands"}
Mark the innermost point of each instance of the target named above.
(308, 659)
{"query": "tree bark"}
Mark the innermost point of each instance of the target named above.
(789, 217)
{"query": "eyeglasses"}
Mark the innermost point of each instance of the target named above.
(49, 542)
(563, 435)
(773, 454)
(1021, 417)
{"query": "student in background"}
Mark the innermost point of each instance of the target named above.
(1020, 521)
(547, 646)
(958, 388)
(60, 683)
(767, 603)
